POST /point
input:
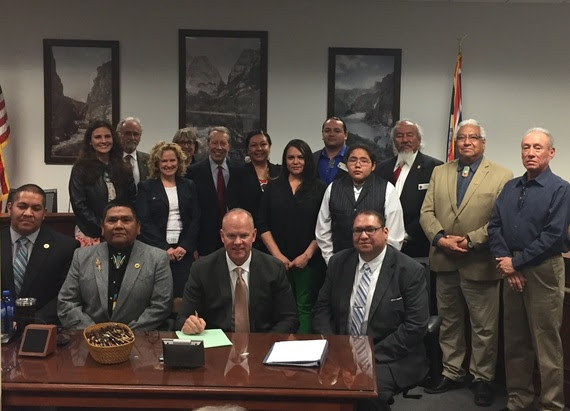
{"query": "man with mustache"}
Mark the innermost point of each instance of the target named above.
(130, 131)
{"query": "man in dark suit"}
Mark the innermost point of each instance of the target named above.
(211, 177)
(238, 288)
(410, 171)
(328, 162)
(130, 131)
(48, 253)
(122, 279)
(375, 290)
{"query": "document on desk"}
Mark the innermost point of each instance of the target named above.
(298, 353)
(212, 338)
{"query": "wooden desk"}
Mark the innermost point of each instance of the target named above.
(70, 377)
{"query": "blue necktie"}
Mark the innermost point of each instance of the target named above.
(20, 263)
(360, 301)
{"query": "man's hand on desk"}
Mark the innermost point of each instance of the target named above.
(193, 325)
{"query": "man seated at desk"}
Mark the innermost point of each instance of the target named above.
(35, 258)
(121, 280)
(375, 290)
(238, 288)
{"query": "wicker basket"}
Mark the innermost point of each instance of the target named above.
(113, 354)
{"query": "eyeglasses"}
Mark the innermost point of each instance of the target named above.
(472, 137)
(363, 161)
(368, 230)
(186, 143)
(131, 134)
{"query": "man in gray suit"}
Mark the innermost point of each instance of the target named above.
(222, 280)
(375, 290)
(121, 280)
(129, 131)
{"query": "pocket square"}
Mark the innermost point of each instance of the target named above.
(396, 299)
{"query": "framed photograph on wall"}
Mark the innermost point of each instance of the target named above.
(364, 90)
(223, 82)
(81, 84)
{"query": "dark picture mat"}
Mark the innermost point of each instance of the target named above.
(223, 82)
(95, 79)
(364, 90)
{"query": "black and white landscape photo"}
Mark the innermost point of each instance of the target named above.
(225, 83)
(365, 94)
(80, 85)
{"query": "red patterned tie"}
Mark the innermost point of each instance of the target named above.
(397, 172)
(241, 311)
(221, 192)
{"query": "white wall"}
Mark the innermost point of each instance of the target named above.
(516, 66)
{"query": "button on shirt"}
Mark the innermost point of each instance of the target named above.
(375, 266)
(327, 167)
(534, 222)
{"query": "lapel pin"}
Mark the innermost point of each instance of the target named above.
(137, 265)
(46, 245)
(98, 264)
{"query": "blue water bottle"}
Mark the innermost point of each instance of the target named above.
(9, 306)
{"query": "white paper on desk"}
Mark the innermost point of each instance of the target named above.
(304, 353)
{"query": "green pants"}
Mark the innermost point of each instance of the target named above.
(306, 284)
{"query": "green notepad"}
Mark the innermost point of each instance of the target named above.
(211, 338)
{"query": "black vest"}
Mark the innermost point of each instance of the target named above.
(343, 207)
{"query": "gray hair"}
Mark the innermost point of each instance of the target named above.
(471, 122)
(123, 121)
(220, 129)
(544, 131)
(419, 131)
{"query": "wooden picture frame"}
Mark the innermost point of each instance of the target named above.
(81, 84)
(364, 90)
(223, 82)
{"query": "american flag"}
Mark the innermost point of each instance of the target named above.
(455, 111)
(4, 134)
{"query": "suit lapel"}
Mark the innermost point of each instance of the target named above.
(254, 287)
(452, 185)
(159, 191)
(7, 267)
(384, 280)
(134, 267)
(40, 252)
(478, 177)
(102, 275)
(416, 169)
(221, 270)
(346, 284)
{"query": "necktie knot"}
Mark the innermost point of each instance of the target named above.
(23, 241)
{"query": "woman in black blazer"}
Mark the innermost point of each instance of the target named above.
(246, 187)
(167, 206)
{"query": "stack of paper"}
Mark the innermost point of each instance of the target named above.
(304, 353)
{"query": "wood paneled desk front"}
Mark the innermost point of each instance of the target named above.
(70, 377)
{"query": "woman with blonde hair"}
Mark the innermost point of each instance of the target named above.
(167, 206)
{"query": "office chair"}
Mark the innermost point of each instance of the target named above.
(51, 199)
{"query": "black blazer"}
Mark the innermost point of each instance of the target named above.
(412, 198)
(210, 219)
(46, 270)
(153, 207)
(244, 190)
(208, 291)
(398, 315)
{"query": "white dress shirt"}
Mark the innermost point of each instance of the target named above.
(406, 167)
(233, 275)
(214, 168)
(392, 211)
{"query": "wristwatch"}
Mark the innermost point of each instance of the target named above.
(469, 244)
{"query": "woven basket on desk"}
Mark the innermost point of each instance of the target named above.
(109, 354)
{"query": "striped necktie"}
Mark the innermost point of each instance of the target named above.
(360, 301)
(20, 263)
